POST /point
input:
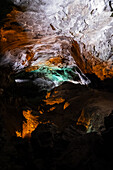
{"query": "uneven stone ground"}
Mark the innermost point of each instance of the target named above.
(77, 135)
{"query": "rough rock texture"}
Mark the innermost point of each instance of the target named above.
(73, 124)
(88, 22)
(26, 45)
(71, 112)
(62, 143)
(90, 64)
(41, 30)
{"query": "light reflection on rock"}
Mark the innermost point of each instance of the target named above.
(83, 120)
(29, 125)
(51, 100)
(91, 64)
(66, 105)
(48, 52)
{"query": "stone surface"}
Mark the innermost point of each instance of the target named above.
(62, 138)
(42, 34)
(88, 22)
(71, 125)
(42, 53)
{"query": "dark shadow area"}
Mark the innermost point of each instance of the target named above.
(60, 143)
(103, 85)
(5, 7)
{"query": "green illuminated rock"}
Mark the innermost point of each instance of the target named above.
(58, 75)
(46, 78)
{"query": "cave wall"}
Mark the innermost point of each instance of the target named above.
(89, 22)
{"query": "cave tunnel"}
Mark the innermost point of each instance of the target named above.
(56, 84)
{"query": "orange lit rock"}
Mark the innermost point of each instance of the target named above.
(51, 100)
(31, 68)
(18, 134)
(82, 120)
(41, 112)
(66, 105)
(52, 108)
(48, 95)
(91, 64)
(12, 34)
(30, 56)
(29, 125)
(56, 60)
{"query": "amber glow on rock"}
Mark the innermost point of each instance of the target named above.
(51, 100)
(56, 60)
(32, 121)
(12, 34)
(54, 99)
(90, 64)
(52, 62)
(52, 108)
(41, 112)
(18, 134)
(48, 95)
(29, 125)
(31, 68)
(82, 120)
(66, 105)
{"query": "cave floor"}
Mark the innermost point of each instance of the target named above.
(67, 127)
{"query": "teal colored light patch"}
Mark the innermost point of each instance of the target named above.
(56, 74)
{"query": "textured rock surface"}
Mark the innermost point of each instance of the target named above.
(62, 143)
(66, 124)
(27, 45)
(88, 22)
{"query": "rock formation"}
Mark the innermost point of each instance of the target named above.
(90, 23)
(51, 115)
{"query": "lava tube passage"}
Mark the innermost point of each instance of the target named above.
(56, 79)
